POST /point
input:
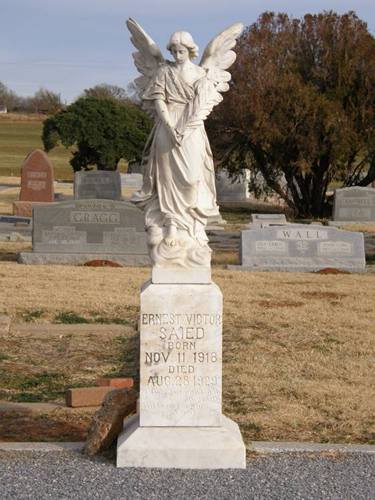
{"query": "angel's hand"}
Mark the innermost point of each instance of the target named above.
(174, 136)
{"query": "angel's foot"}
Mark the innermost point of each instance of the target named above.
(171, 242)
(171, 236)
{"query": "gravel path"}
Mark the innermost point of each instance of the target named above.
(68, 475)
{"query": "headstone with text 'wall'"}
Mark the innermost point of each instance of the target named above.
(97, 184)
(354, 204)
(301, 247)
(75, 232)
(37, 178)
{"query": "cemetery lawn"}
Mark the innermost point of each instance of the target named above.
(19, 135)
(298, 348)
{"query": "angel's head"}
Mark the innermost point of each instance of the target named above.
(182, 47)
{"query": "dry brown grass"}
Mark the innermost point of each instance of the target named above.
(299, 349)
(362, 228)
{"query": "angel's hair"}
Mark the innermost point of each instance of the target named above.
(184, 38)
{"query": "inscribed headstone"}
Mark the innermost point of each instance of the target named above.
(301, 247)
(355, 204)
(80, 230)
(132, 180)
(37, 178)
(97, 184)
(232, 189)
(181, 355)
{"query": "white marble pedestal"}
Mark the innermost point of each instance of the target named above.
(180, 422)
(181, 447)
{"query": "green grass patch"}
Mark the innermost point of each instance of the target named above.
(44, 386)
(70, 318)
(30, 316)
(4, 357)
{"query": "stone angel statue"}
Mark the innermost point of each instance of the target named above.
(178, 193)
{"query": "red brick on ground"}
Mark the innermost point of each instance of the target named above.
(86, 396)
(118, 383)
(37, 178)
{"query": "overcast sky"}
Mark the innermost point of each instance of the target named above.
(69, 45)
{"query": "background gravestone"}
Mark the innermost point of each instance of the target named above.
(75, 232)
(97, 184)
(37, 178)
(355, 204)
(231, 189)
(301, 247)
(132, 180)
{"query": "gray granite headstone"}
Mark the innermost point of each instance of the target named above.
(132, 180)
(264, 220)
(231, 189)
(98, 184)
(355, 204)
(301, 247)
(81, 230)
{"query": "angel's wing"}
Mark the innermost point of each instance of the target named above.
(148, 56)
(216, 58)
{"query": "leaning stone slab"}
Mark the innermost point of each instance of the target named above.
(79, 231)
(354, 204)
(107, 422)
(264, 220)
(97, 184)
(300, 248)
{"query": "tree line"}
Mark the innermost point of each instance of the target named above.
(47, 102)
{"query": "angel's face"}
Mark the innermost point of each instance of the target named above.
(180, 53)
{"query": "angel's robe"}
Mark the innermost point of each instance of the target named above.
(179, 181)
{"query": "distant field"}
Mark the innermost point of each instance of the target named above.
(20, 134)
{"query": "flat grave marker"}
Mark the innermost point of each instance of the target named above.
(264, 220)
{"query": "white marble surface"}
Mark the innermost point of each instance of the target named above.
(180, 275)
(178, 194)
(181, 355)
(181, 447)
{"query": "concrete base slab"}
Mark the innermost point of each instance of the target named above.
(181, 447)
(72, 259)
